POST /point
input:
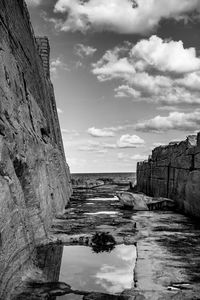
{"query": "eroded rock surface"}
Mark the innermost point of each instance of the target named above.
(173, 172)
(34, 177)
(167, 243)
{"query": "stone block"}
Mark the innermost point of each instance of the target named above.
(197, 161)
(192, 194)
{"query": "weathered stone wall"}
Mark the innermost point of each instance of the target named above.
(173, 171)
(44, 51)
(34, 177)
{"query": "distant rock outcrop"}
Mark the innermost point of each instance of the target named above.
(34, 177)
(173, 171)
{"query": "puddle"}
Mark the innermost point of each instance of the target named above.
(103, 213)
(179, 286)
(103, 199)
(106, 272)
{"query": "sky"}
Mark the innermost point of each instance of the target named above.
(126, 76)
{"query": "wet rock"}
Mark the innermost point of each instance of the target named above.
(36, 290)
(132, 200)
(101, 296)
(34, 177)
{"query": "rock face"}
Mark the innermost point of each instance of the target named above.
(34, 177)
(173, 171)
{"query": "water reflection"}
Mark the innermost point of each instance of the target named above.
(115, 198)
(103, 242)
(102, 213)
(103, 272)
(115, 279)
(70, 272)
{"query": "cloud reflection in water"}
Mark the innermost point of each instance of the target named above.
(106, 272)
(115, 279)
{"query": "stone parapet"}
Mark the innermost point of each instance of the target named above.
(44, 52)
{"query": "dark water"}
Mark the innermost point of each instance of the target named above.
(123, 176)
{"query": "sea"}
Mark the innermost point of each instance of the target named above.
(84, 178)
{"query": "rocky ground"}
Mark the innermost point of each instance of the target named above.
(168, 248)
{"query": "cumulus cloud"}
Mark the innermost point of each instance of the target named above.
(57, 64)
(111, 65)
(127, 16)
(156, 70)
(167, 56)
(97, 132)
(190, 81)
(130, 141)
(174, 121)
(84, 50)
(127, 91)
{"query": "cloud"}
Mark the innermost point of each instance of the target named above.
(166, 56)
(174, 121)
(108, 131)
(125, 141)
(96, 132)
(126, 91)
(111, 66)
(56, 22)
(170, 108)
(130, 141)
(57, 64)
(153, 70)
(129, 17)
(84, 50)
(190, 81)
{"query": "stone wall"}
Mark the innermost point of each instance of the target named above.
(34, 176)
(44, 51)
(173, 171)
